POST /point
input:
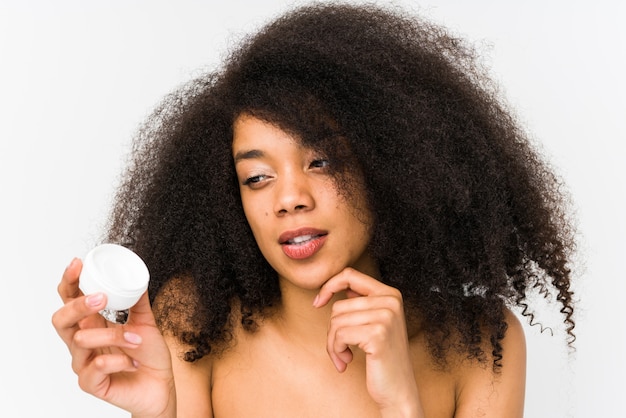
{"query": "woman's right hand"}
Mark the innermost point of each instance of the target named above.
(126, 365)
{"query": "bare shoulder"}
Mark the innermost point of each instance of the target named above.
(483, 392)
(192, 379)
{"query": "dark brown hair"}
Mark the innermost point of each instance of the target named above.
(468, 218)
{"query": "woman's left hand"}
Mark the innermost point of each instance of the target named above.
(372, 318)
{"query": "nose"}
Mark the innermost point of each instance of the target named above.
(293, 194)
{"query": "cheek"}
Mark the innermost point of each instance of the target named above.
(361, 223)
(251, 217)
(257, 218)
(249, 212)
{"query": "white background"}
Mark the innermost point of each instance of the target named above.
(77, 78)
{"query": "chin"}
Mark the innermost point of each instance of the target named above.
(308, 277)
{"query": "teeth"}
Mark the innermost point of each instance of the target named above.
(301, 239)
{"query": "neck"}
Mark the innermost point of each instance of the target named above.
(299, 320)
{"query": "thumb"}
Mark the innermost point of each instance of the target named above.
(141, 312)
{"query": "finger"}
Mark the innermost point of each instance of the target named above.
(370, 330)
(68, 287)
(141, 313)
(391, 302)
(87, 341)
(371, 338)
(341, 359)
(106, 337)
(380, 320)
(74, 313)
(95, 378)
(352, 281)
(338, 344)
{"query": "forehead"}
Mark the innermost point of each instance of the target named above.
(252, 135)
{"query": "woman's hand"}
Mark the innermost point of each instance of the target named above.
(372, 318)
(126, 365)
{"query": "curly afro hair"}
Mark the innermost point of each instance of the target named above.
(468, 218)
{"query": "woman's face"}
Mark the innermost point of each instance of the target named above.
(305, 228)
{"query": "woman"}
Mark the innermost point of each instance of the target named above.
(337, 223)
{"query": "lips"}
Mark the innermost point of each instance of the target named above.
(302, 243)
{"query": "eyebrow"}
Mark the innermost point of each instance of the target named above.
(248, 154)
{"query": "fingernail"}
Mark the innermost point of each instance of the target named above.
(132, 338)
(94, 300)
(136, 364)
(316, 300)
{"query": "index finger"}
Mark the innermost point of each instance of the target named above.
(352, 281)
(68, 288)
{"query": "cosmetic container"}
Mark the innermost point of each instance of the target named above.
(120, 274)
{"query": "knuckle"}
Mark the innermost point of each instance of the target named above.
(78, 339)
(345, 272)
(332, 331)
(99, 362)
(76, 367)
(335, 310)
(387, 316)
(55, 320)
(330, 345)
(393, 301)
(390, 314)
(396, 303)
(60, 320)
(83, 383)
(379, 332)
(340, 334)
(396, 294)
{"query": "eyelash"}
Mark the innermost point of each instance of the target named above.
(318, 163)
(253, 180)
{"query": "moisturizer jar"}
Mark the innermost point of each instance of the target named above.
(117, 272)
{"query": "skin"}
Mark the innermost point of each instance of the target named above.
(337, 345)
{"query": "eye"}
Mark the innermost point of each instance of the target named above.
(319, 163)
(254, 182)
